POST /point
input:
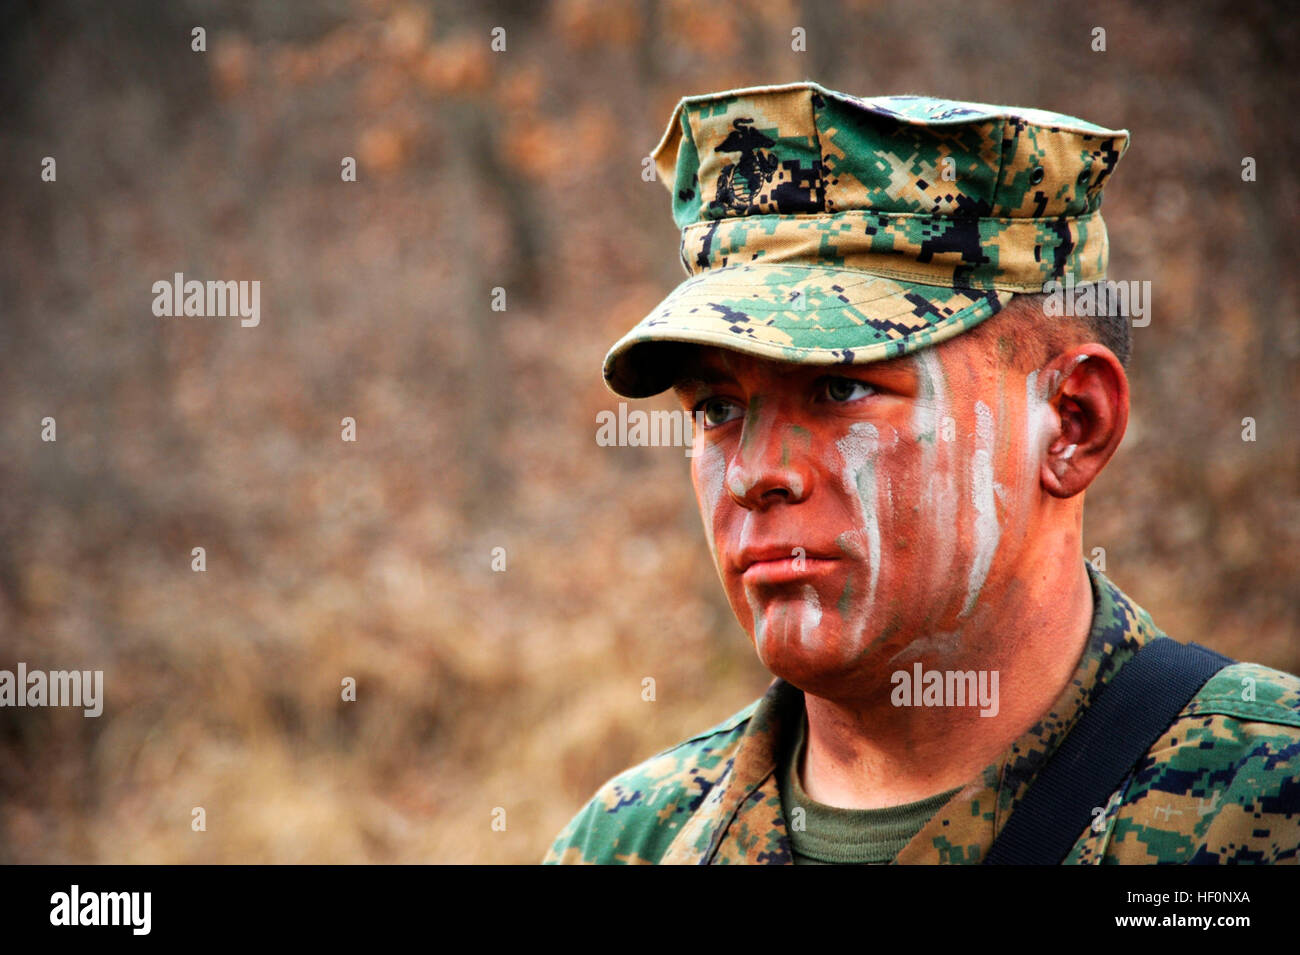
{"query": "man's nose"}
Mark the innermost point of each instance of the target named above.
(770, 463)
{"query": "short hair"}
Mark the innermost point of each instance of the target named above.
(1026, 337)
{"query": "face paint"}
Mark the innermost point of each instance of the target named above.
(938, 514)
(796, 485)
(858, 450)
(932, 403)
(1039, 423)
(711, 475)
(755, 438)
(804, 625)
(794, 439)
(985, 521)
(940, 644)
(812, 614)
(905, 495)
(940, 520)
(846, 597)
(760, 626)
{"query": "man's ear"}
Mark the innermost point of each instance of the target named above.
(1090, 408)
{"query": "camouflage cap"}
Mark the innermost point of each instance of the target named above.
(824, 229)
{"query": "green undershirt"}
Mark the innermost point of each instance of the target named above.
(833, 836)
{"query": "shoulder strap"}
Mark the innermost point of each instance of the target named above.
(1130, 713)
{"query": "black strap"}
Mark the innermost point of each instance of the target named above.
(1131, 712)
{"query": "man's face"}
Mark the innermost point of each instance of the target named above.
(862, 513)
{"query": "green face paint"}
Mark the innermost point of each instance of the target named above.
(752, 414)
(846, 598)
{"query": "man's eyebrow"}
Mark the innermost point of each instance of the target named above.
(702, 376)
(697, 375)
(689, 388)
(903, 364)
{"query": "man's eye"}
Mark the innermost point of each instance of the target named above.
(717, 411)
(847, 389)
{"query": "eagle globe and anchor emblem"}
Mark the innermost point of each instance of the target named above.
(741, 181)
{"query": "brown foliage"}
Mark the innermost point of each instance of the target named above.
(519, 170)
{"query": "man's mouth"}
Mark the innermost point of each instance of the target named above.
(782, 565)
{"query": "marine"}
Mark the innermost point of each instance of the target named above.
(864, 274)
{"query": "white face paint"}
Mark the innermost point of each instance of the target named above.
(938, 515)
(927, 420)
(713, 475)
(779, 621)
(804, 625)
(859, 449)
(1040, 425)
(760, 625)
(939, 507)
(984, 524)
(812, 614)
(753, 444)
(942, 644)
(940, 525)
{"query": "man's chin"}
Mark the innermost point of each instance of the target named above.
(813, 652)
(832, 681)
(814, 659)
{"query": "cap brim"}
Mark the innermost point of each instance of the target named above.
(805, 314)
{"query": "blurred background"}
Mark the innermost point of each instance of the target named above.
(520, 169)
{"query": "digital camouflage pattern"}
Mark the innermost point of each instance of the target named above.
(821, 228)
(1222, 785)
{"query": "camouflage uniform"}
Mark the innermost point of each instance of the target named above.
(820, 228)
(1222, 785)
